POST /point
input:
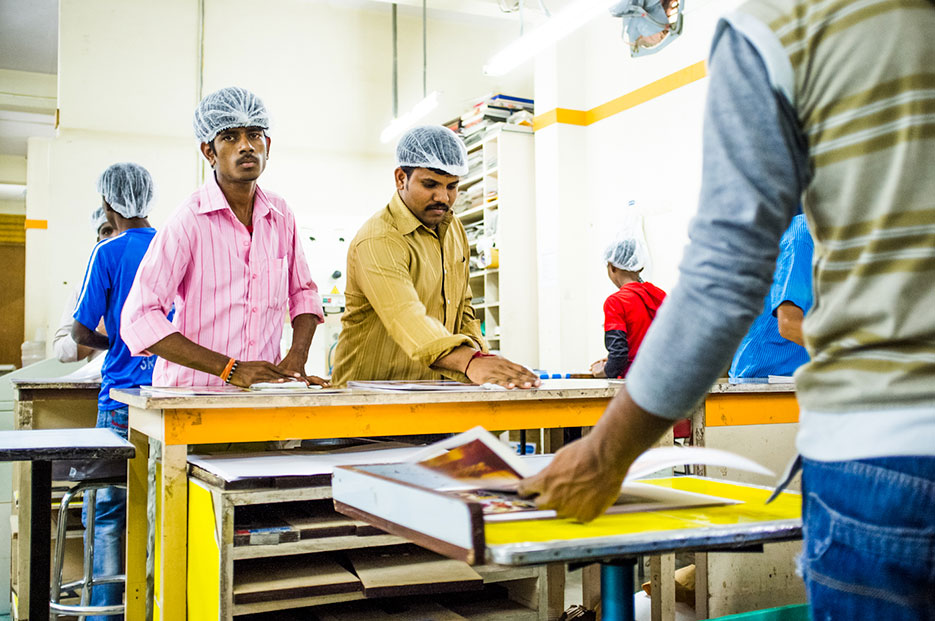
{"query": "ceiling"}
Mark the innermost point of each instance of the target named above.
(29, 35)
(29, 42)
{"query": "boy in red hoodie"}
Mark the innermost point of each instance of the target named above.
(628, 311)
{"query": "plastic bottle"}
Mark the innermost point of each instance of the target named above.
(33, 351)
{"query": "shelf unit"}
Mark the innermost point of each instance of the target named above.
(498, 198)
(284, 562)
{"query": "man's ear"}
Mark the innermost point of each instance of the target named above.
(401, 178)
(208, 151)
(269, 143)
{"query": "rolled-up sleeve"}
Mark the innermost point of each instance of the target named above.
(384, 279)
(143, 321)
(754, 171)
(303, 292)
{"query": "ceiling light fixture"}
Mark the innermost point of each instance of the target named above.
(559, 26)
(429, 102)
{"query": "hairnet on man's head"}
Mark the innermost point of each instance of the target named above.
(127, 188)
(98, 218)
(433, 146)
(229, 107)
(626, 253)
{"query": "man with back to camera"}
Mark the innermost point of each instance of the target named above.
(64, 347)
(127, 193)
(630, 310)
(801, 108)
(774, 344)
(230, 259)
(409, 314)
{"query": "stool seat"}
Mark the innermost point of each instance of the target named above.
(42, 447)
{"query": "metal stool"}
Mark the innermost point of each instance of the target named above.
(88, 580)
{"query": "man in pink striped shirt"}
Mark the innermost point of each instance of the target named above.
(230, 260)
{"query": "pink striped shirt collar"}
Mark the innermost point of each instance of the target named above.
(213, 199)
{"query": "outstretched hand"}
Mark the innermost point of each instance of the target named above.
(575, 484)
(584, 478)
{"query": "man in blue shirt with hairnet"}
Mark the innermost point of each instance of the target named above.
(127, 193)
(773, 345)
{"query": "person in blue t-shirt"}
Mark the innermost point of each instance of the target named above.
(127, 191)
(773, 345)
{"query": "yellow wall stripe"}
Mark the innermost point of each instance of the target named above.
(36, 224)
(663, 85)
(11, 229)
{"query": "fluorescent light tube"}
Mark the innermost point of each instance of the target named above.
(12, 192)
(400, 124)
(559, 26)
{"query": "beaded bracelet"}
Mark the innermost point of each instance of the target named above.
(230, 375)
(228, 371)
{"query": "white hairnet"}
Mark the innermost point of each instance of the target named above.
(127, 188)
(626, 253)
(433, 146)
(229, 107)
(98, 218)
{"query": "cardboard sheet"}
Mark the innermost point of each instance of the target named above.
(289, 577)
(410, 570)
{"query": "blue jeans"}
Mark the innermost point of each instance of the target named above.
(869, 548)
(110, 526)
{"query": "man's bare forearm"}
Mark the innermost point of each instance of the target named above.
(789, 318)
(303, 330)
(455, 360)
(88, 338)
(182, 350)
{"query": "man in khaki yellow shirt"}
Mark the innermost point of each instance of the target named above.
(409, 314)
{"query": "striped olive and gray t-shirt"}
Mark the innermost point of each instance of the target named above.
(830, 102)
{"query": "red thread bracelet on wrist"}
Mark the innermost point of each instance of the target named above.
(477, 354)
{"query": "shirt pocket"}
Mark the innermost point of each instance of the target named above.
(278, 286)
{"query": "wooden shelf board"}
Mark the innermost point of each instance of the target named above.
(309, 546)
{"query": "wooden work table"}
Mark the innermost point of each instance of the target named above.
(177, 421)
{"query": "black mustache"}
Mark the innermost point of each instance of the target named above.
(248, 158)
(442, 206)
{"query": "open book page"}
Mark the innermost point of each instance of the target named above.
(634, 497)
(415, 386)
(478, 467)
(474, 459)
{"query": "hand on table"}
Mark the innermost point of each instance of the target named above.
(249, 372)
(597, 369)
(499, 370)
(294, 365)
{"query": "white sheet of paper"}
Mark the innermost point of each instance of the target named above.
(661, 458)
(293, 385)
(234, 467)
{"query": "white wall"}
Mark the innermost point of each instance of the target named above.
(13, 171)
(127, 86)
(650, 153)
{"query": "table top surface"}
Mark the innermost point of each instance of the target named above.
(55, 383)
(176, 398)
(55, 444)
(749, 523)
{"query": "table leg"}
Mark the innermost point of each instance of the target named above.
(40, 515)
(173, 533)
(617, 590)
(137, 487)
